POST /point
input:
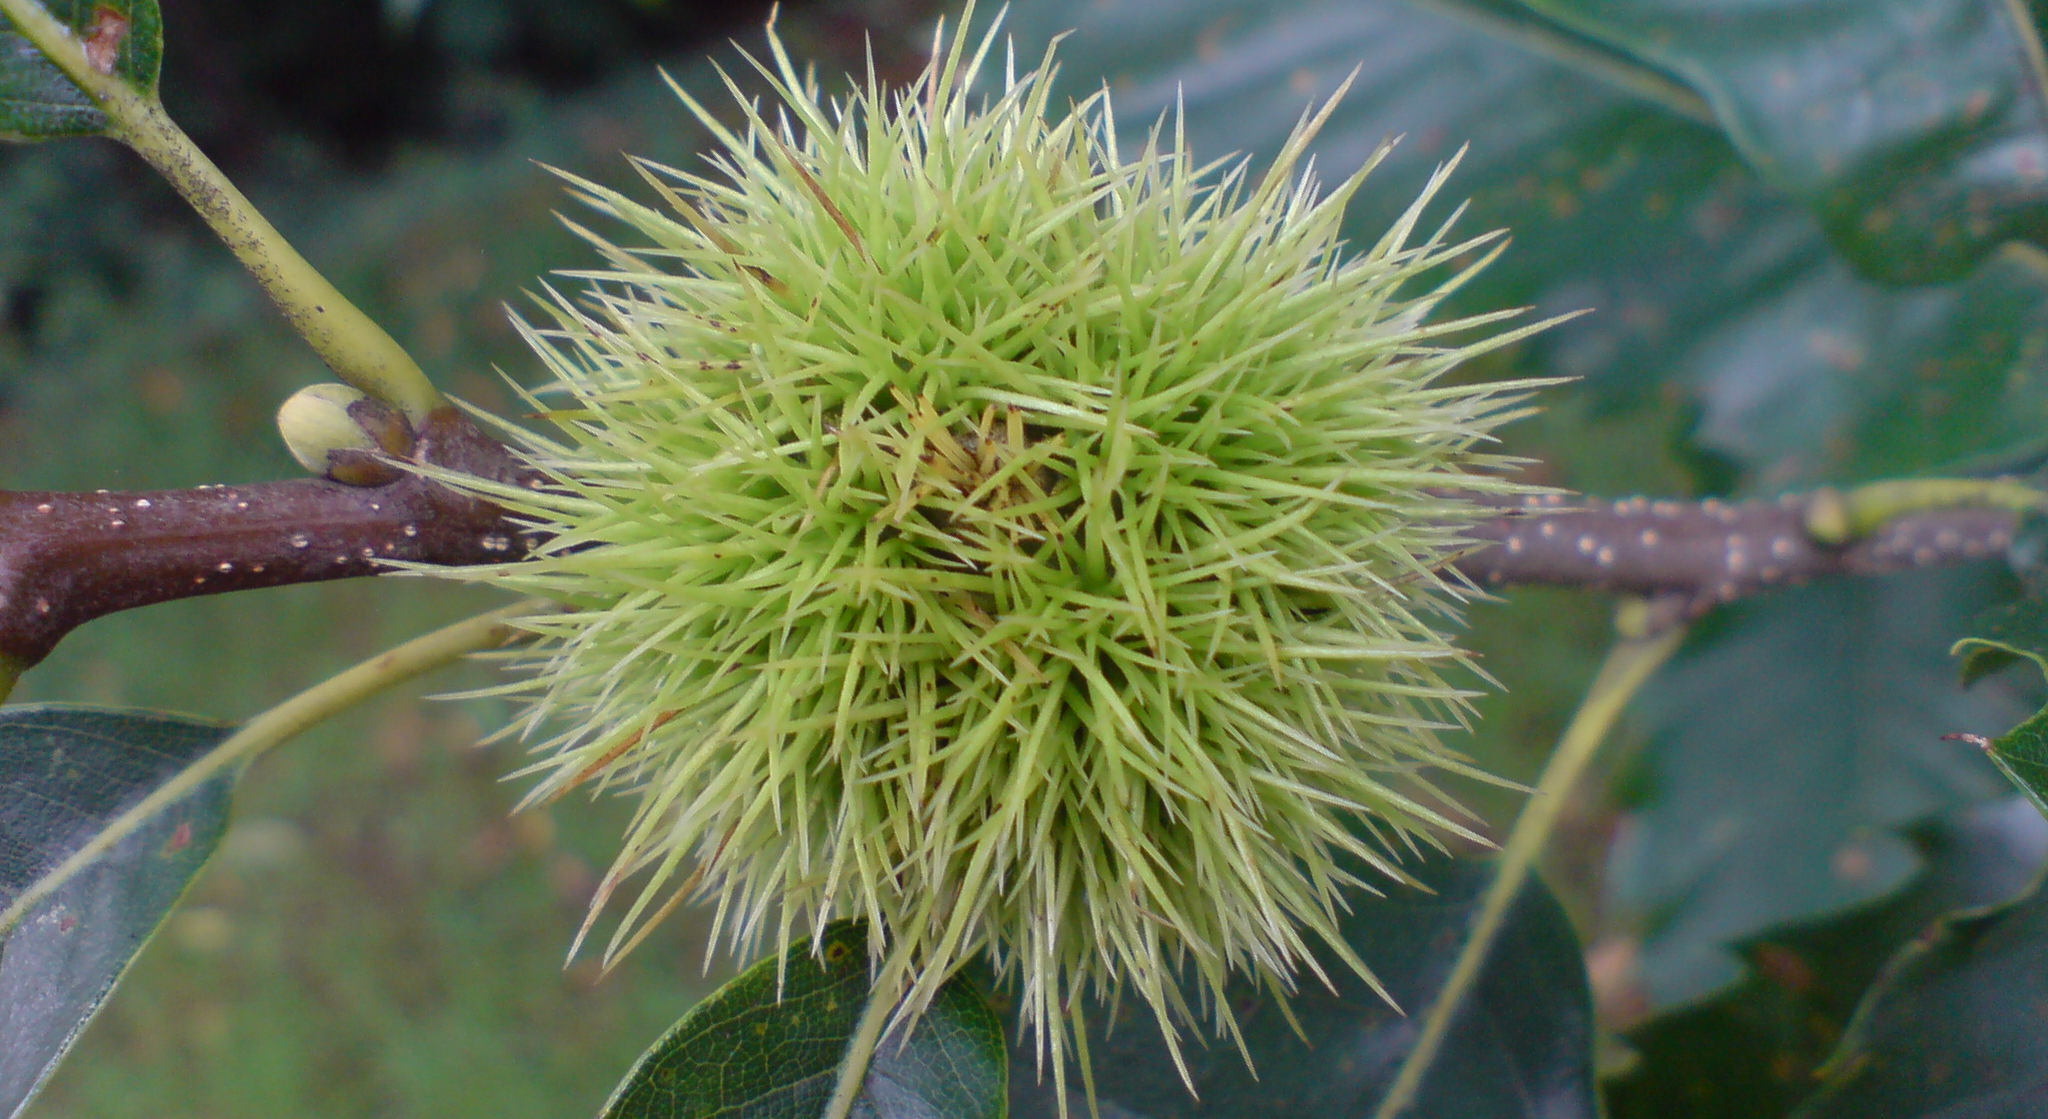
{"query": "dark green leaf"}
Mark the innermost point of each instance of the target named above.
(769, 1046)
(37, 100)
(1751, 1052)
(1786, 743)
(1710, 287)
(1520, 1047)
(2022, 755)
(2015, 631)
(2004, 635)
(1953, 1028)
(1917, 129)
(65, 772)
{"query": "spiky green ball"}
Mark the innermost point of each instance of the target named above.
(1029, 543)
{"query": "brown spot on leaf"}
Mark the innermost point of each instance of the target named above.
(103, 42)
(181, 838)
(1853, 862)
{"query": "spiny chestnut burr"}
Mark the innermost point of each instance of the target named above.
(1026, 539)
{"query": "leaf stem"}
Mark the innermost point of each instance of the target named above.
(358, 350)
(1630, 663)
(330, 697)
(885, 999)
(67, 558)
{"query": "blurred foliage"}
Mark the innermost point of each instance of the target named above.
(1952, 1027)
(1753, 1049)
(1913, 129)
(1807, 231)
(1713, 856)
(1519, 1048)
(358, 81)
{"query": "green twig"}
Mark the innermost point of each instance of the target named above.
(358, 350)
(1838, 517)
(1629, 664)
(391, 667)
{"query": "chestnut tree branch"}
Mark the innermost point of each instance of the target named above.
(1691, 556)
(67, 558)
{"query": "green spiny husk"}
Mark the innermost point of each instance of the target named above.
(1030, 546)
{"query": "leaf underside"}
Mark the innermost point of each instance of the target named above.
(66, 772)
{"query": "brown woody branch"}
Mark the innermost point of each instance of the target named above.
(67, 558)
(1692, 556)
